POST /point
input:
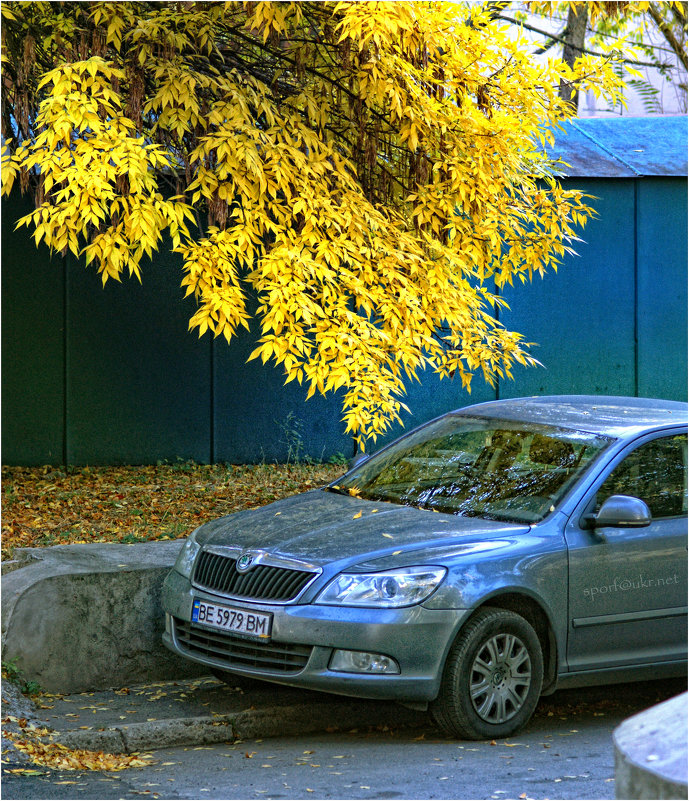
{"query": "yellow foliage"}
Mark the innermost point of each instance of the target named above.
(371, 172)
(36, 744)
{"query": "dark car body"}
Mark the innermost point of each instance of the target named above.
(508, 549)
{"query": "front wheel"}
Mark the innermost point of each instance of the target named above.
(492, 678)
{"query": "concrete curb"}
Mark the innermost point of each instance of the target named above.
(88, 617)
(651, 752)
(253, 723)
(149, 736)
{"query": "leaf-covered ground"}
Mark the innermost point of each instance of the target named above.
(44, 506)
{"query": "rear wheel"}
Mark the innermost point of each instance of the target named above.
(492, 678)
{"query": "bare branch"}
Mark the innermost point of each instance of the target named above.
(677, 47)
(558, 38)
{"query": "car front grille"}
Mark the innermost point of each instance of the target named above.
(218, 573)
(237, 652)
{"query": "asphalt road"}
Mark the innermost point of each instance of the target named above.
(565, 753)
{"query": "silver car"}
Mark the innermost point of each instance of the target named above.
(491, 556)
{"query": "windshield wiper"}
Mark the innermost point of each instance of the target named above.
(486, 515)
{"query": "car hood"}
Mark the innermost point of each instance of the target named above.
(325, 528)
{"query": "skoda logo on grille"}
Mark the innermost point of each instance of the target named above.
(244, 562)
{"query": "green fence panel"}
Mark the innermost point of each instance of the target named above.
(33, 347)
(582, 318)
(109, 376)
(138, 384)
(662, 288)
(257, 417)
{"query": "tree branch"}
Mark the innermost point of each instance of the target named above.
(585, 50)
(668, 33)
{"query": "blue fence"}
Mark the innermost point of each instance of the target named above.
(112, 376)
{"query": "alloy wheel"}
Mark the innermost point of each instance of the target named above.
(500, 678)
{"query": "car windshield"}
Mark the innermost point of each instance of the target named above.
(491, 468)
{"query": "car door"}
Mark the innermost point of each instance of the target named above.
(628, 586)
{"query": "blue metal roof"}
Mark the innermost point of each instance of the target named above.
(622, 147)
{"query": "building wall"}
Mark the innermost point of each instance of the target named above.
(94, 375)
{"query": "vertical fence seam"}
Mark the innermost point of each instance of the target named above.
(65, 362)
(636, 287)
(211, 432)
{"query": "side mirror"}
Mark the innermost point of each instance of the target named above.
(360, 458)
(621, 511)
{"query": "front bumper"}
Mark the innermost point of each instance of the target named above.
(415, 637)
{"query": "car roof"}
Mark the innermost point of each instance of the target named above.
(601, 414)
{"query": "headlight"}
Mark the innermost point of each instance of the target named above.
(402, 587)
(185, 560)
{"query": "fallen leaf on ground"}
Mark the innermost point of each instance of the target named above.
(55, 755)
(25, 772)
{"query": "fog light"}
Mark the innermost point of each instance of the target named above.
(362, 662)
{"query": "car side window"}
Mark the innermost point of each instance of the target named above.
(656, 472)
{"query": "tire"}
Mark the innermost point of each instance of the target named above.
(492, 678)
(235, 680)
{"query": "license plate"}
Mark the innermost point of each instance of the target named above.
(228, 618)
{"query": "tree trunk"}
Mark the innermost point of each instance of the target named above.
(575, 35)
(680, 14)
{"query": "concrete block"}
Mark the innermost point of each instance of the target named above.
(77, 618)
(651, 752)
